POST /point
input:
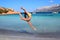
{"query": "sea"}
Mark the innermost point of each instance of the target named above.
(44, 23)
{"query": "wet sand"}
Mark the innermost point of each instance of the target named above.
(16, 35)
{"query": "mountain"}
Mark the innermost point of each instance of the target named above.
(54, 8)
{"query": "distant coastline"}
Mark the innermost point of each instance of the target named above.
(4, 11)
(52, 8)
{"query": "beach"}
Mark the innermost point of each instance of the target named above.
(29, 20)
(5, 37)
(16, 35)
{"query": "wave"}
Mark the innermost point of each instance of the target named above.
(22, 33)
(6, 31)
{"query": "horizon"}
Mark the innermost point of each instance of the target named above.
(30, 5)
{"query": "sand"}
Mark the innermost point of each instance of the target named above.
(15, 35)
(5, 37)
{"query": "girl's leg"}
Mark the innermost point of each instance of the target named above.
(31, 25)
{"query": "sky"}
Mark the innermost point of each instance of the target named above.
(29, 5)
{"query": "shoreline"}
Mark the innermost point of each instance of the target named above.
(5, 37)
(16, 35)
(7, 14)
(26, 33)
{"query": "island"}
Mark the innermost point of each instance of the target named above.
(4, 10)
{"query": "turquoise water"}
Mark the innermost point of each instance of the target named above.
(43, 23)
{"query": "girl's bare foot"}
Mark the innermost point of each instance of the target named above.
(35, 29)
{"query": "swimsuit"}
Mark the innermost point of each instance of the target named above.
(29, 15)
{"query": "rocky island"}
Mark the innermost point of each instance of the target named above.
(4, 10)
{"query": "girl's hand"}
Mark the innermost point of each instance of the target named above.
(23, 8)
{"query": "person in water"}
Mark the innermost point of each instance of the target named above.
(27, 17)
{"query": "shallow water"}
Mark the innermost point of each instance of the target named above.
(43, 22)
